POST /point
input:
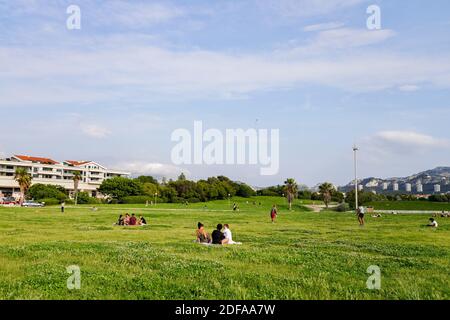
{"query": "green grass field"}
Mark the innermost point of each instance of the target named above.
(411, 205)
(304, 255)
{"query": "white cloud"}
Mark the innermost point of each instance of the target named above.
(95, 131)
(323, 26)
(152, 168)
(127, 68)
(307, 8)
(135, 15)
(410, 138)
(343, 39)
(409, 88)
(396, 146)
(141, 73)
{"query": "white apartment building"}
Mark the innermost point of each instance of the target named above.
(48, 171)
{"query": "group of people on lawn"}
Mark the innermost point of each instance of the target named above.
(128, 220)
(217, 237)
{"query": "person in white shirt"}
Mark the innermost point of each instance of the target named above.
(361, 212)
(228, 235)
(433, 223)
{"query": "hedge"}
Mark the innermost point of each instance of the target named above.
(137, 199)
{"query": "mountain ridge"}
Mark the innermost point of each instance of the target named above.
(435, 180)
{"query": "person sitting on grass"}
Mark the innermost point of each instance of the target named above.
(142, 221)
(133, 220)
(218, 237)
(120, 221)
(228, 235)
(202, 235)
(126, 220)
(433, 223)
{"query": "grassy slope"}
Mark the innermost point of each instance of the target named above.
(303, 256)
(411, 205)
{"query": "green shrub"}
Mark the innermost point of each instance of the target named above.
(342, 207)
(84, 198)
(193, 200)
(137, 199)
(50, 201)
(178, 200)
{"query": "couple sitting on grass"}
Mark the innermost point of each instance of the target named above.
(218, 237)
(131, 221)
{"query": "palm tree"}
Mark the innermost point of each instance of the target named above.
(76, 177)
(291, 188)
(23, 178)
(326, 189)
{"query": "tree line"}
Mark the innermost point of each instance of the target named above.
(147, 188)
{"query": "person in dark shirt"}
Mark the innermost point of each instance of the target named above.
(218, 237)
(142, 221)
(120, 221)
(133, 220)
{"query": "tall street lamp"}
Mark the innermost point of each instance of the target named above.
(355, 150)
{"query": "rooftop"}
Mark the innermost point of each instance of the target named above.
(76, 163)
(36, 159)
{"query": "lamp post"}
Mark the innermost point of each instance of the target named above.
(355, 150)
(229, 195)
(156, 194)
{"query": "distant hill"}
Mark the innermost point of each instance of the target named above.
(421, 183)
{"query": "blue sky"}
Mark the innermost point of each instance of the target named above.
(115, 90)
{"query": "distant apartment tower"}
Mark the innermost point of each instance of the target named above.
(437, 188)
(419, 187)
(385, 186)
(360, 187)
(395, 186)
(408, 187)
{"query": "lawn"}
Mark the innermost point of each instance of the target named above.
(304, 255)
(411, 205)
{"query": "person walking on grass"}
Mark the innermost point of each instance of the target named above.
(361, 212)
(63, 205)
(273, 213)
